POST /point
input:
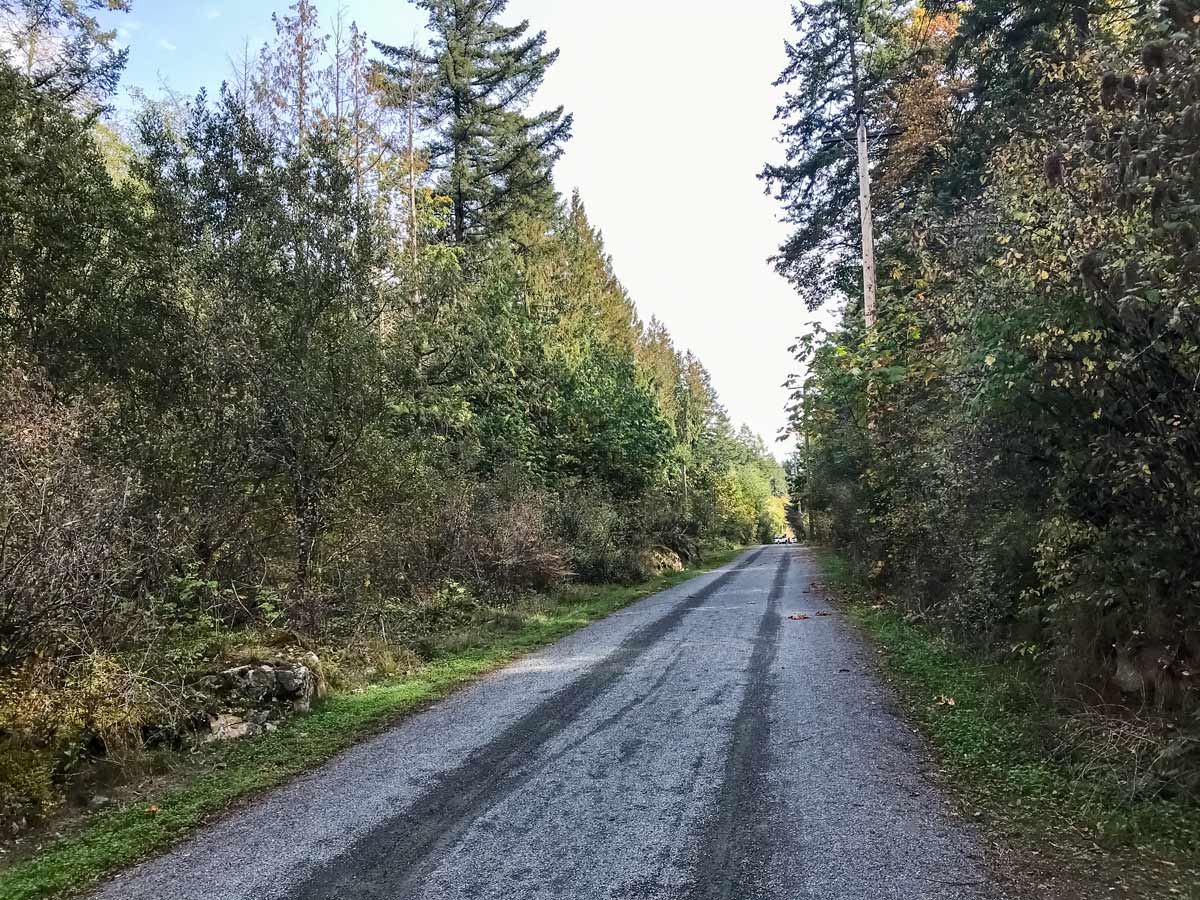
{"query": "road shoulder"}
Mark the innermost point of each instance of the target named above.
(1049, 833)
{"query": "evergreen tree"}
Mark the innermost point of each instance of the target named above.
(494, 161)
(598, 293)
(569, 276)
(836, 66)
(660, 362)
(60, 46)
(992, 51)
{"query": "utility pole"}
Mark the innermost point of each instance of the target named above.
(864, 206)
(812, 538)
(864, 190)
(868, 229)
(861, 138)
(414, 95)
(413, 235)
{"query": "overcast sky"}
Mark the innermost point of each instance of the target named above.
(673, 109)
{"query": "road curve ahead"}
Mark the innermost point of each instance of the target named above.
(699, 744)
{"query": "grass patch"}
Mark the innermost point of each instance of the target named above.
(994, 726)
(118, 838)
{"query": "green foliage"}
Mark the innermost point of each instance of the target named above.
(1007, 453)
(269, 372)
(283, 267)
(68, 236)
(1009, 449)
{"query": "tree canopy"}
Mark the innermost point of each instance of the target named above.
(475, 82)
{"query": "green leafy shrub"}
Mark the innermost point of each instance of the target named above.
(1009, 449)
(603, 545)
(27, 785)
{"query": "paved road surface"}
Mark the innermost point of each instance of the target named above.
(698, 744)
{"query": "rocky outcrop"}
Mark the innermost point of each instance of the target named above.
(228, 727)
(242, 701)
(294, 685)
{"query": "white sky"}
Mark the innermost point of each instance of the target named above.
(673, 109)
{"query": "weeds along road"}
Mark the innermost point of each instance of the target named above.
(699, 744)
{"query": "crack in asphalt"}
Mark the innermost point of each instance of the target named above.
(394, 860)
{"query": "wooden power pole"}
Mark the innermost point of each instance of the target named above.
(807, 464)
(868, 228)
(864, 208)
(864, 190)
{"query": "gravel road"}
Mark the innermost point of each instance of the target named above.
(698, 744)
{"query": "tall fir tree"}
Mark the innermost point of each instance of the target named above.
(494, 160)
(834, 68)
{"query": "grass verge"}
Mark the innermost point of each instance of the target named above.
(1069, 832)
(115, 839)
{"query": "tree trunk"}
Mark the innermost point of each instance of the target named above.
(412, 179)
(460, 203)
(305, 509)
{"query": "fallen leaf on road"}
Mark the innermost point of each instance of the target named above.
(824, 614)
(798, 616)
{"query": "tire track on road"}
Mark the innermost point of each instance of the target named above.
(394, 860)
(730, 863)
